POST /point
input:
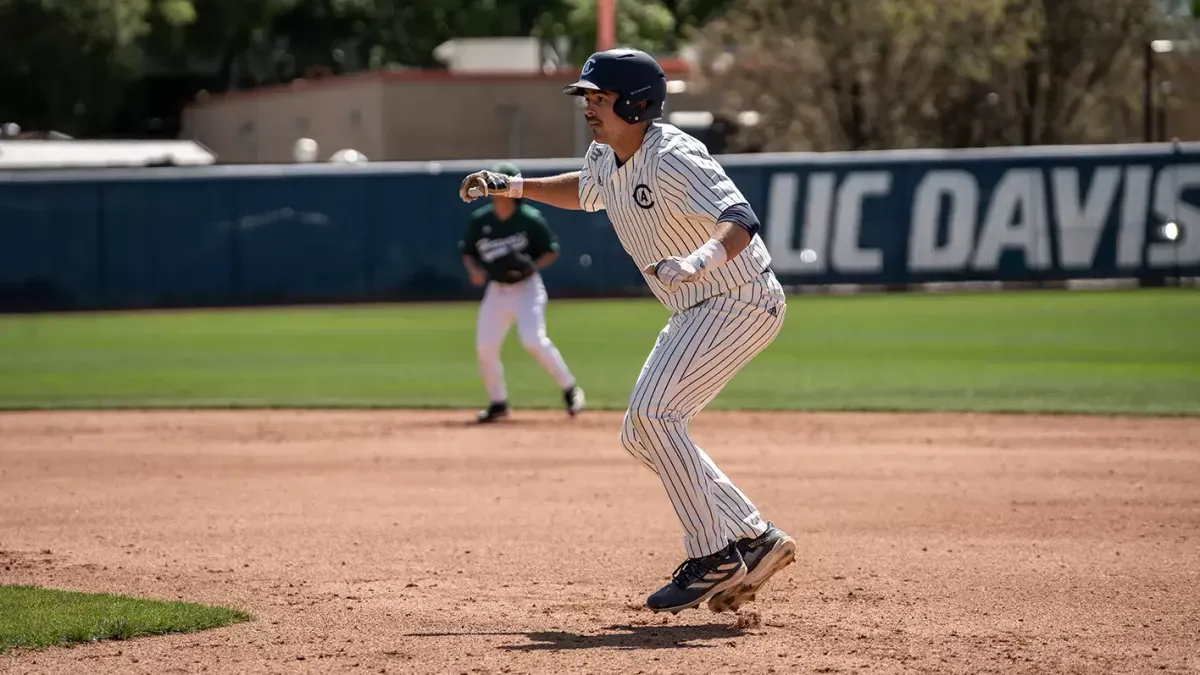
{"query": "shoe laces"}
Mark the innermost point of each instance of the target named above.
(688, 571)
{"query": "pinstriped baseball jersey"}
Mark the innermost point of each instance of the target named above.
(665, 202)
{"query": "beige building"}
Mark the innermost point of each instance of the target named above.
(439, 115)
(406, 115)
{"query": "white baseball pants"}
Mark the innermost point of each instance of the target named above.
(696, 355)
(524, 302)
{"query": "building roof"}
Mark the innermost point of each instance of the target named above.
(673, 67)
(56, 154)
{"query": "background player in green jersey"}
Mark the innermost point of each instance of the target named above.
(504, 247)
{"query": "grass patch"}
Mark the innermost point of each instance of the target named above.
(1130, 351)
(33, 618)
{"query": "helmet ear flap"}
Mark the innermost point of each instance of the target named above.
(637, 111)
(625, 110)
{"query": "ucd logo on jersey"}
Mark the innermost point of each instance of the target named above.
(1111, 216)
(643, 197)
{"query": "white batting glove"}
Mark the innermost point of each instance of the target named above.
(675, 271)
(488, 183)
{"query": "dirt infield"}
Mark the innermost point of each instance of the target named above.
(412, 542)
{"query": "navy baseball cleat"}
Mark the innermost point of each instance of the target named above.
(493, 412)
(764, 555)
(699, 579)
(574, 399)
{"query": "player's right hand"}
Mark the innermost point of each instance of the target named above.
(674, 271)
(478, 278)
(486, 183)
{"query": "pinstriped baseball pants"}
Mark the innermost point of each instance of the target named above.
(698, 352)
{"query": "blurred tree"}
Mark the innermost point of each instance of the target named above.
(407, 33)
(863, 74)
(641, 25)
(79, 65)
(656, 26)
(1084, 78)
(252, 42)
(66, 63)
(689, 15)
(237, 44)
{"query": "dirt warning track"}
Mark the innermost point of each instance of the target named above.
(416, 542)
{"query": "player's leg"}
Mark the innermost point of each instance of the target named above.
(763, 555)
(496, 314)
(629, 436)
(773, 549)
(700, 351)
(730, 499)
(679, 378)
(531, 325)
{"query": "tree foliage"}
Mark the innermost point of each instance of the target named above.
(863, 74)
(824, 74)
(75, 65)
(66, 60)
(640, 25)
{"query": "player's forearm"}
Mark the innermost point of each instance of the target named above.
(736, 228)
(561, 190)
(471, 266)
(733, 238)
(546, 259)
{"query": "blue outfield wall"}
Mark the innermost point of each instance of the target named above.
(226, 235)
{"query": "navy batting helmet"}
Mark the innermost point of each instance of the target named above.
(633, 75)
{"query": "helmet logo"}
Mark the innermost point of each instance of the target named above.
(589, 66)
(643, 196)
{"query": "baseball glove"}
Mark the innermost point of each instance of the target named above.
(520, 268)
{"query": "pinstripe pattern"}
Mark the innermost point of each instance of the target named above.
(689, 189)
(698, 352)
(664, 202)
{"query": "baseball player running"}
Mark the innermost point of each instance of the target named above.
(504, 247)
(695, 238)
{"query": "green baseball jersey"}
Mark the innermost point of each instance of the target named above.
(495, 243)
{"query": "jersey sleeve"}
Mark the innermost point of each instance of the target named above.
(697, 181)
(466, 243)
(542, 239)
(590, 198)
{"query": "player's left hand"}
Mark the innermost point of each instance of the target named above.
(521, 268)
(675, 271)
(525, 262)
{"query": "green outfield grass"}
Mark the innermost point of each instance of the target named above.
(32, 617)
(1132, 351)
